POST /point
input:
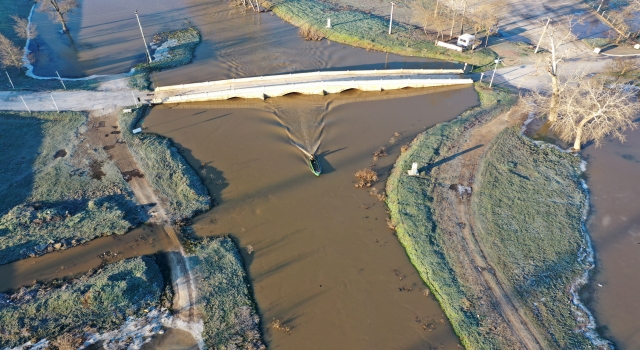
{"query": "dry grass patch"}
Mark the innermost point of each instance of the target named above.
(310, 33)
(365, 178)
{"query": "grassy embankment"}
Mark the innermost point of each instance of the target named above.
(369, 31)
(529, 203)
(76, 197)
(176, 48)
(95, 302)
(412, 209)
(230, 317)
(21, 81)
(167, 171)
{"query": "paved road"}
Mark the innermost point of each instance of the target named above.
(104, 101)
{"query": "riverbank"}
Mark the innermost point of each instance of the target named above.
(230, 319)
(470, 224)
(66, 314)
(369, 31)
(59, 188)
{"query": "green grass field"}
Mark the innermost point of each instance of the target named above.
(167, 171)
(412, 209)
(98, 302)
(51, 199)
(530, 204)
(352, 27)
(230, 317)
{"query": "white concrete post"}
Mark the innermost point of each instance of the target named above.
(494, 71)
(328, 22)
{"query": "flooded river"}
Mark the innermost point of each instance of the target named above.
(324, 261)
(613, 173)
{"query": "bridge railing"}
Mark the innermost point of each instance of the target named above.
(319, 75)
(317, 88)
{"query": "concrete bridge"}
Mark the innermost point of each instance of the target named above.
(317, 83)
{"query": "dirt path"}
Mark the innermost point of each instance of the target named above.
(456, 216)
(184, 299)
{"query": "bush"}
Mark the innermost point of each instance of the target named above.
(365, 178)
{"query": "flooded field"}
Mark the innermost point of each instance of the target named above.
(75, 261)
(104, 38)
(324, 261)
(614, 226)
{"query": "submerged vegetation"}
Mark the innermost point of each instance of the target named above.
(230, 317)
(166, 170)
(96, 302)
(172, 49)
(366, 30)
(56, 193)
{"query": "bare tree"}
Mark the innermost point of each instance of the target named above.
(557, 35)
(591, 109)
(621, 66)
(10, 54)
(58, 10)
(24, 29)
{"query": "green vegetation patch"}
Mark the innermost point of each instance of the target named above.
(230, 317)
(95, 302)
(51, 194)
(530, 203)
(167, 171)
(597, 42)
(412, 208)
(172, 49)
(356, 28)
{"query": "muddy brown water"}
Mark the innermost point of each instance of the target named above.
(324, 261)
(75, 261)
(614, 225)
(104, 38)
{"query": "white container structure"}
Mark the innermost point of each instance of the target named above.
(466, 40)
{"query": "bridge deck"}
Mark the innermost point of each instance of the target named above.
(308, 83)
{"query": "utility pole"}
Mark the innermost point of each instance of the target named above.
(143, 39)
(391, 18)
(25, 104)
(54, 103)
(62, 82)
(464, 12)
(542, 36)
(10, 80)
(494, 71)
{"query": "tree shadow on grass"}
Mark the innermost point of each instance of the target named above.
(428, 167)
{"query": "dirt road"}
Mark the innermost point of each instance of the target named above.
(455, 216)
(184, 300)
